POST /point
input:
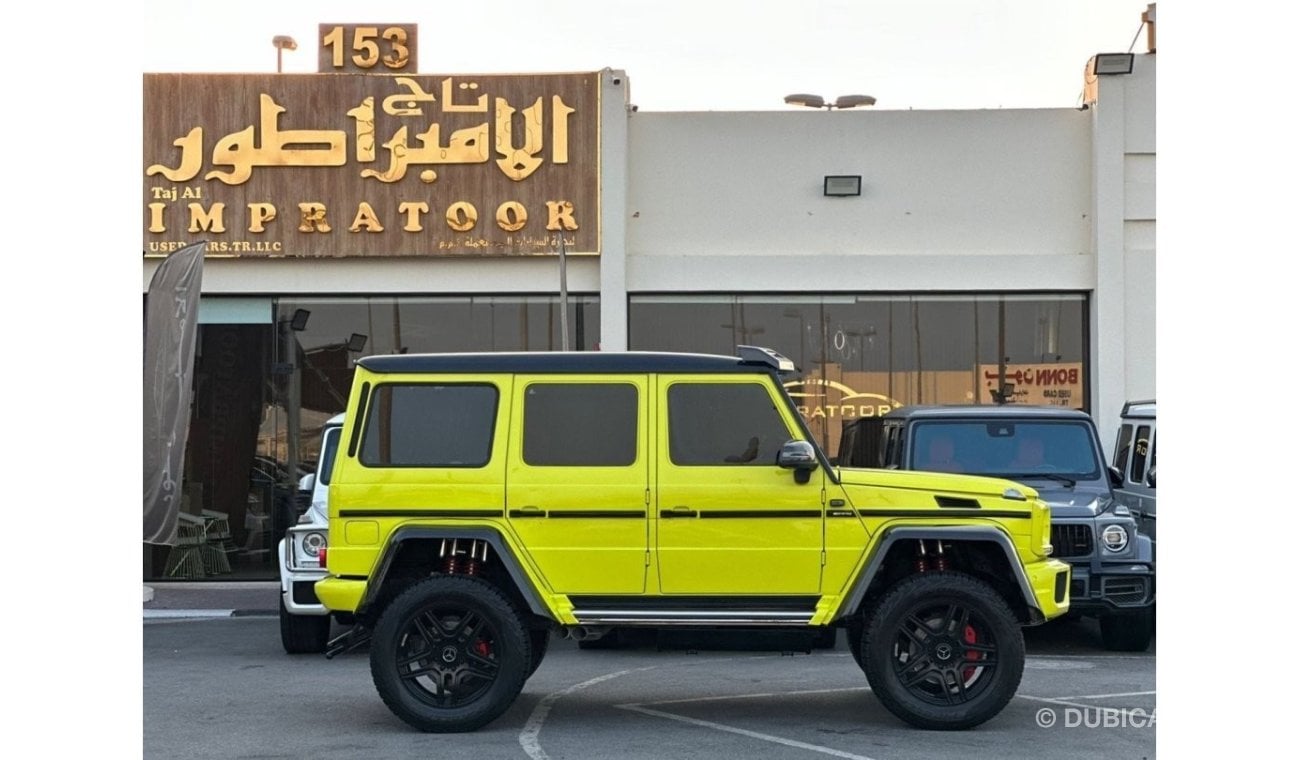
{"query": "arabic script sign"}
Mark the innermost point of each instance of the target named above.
(1048, 384)
(331, 165)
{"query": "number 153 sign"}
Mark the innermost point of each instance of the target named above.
(366, 48)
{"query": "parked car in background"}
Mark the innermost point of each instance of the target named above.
(1056, 451)
(304, 622)
(1135, 458)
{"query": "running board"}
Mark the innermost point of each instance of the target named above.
(743, 618)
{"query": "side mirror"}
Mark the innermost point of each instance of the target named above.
(1151, 477)
(308, 482)
(1116, 477)
(799, 456)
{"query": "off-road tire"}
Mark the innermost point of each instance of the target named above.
(303, 634)
(963, 636)
(1127, 631)
(450, 654)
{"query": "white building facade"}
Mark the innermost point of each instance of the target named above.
(989, 256)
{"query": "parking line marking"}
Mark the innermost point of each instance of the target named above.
(1109, 696)
(528, 736)
(1080, 705)
(745, 732)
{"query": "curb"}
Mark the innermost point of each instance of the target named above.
(201, 614)
(157, 614)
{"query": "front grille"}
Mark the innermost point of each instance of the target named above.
(1124, 590)
(305, 593)
(1071, 540)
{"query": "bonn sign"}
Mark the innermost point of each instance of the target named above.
(368, 165)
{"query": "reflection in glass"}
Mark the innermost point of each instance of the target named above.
(862, 355)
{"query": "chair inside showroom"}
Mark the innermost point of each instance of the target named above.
(185, 559)
(218, 542)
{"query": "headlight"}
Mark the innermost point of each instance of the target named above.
(312, 543)
(1114, 538)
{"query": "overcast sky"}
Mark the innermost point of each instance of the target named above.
(692, 55)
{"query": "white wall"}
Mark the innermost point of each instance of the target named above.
(951, 200)
(533, 274)
(1124, 213)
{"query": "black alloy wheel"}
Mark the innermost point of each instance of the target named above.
(450, 654)
(943, 651)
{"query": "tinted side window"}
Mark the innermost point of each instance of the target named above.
(429, 425)
(891, 446)
(328, 449)
(1122, 444)
(1140, 453)
(580, 424)
(724, 424)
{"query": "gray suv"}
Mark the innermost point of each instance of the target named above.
(1135, 458)
(1057, 452)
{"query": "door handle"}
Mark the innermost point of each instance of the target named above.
(528, 511)
(679, 511)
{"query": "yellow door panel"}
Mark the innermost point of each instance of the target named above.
(729, 520)
(577, 479)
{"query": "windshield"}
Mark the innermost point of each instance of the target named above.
(1059, 450)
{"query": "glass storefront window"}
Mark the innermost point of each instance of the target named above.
(862, 355)
(263, 392)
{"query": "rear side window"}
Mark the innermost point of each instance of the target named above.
(429, 425)
(724, 424)
(580, 424)
(1140, 453)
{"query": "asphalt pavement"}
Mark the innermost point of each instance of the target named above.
(217, 684)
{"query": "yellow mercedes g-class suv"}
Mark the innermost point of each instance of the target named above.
(481, 502)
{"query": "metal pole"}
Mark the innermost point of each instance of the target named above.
(1000, 395)
(564, 298)
(280, 521)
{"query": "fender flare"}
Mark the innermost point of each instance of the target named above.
(493, 537)
(968, 533)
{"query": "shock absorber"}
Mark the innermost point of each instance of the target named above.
(450, 560)
(940, 561)
(457, 560)
(921, 563)
(471, 562)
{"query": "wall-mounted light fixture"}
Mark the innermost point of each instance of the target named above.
(357, 343)
(1112, 63)
(842, 185)
(298, 322)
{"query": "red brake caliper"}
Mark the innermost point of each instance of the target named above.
(969, 636)
(482, 648)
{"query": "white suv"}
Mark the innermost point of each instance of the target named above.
(304, 622)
